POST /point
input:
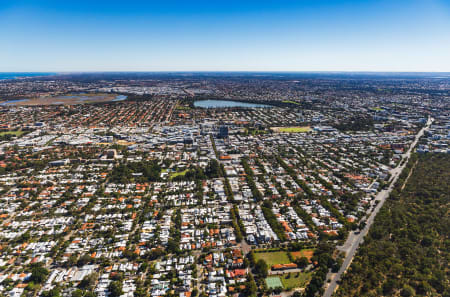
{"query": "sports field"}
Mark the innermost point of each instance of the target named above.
(14, 133)
(273, 258)
(273, 282)
(291, 129)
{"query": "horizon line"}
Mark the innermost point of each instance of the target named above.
(219, 71)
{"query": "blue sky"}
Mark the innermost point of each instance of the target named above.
(315, 35)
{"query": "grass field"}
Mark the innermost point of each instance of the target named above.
(295, 280)
(292, 102)
(175, 174)
(273, 282)
(307, 253)
(14, 133)
(181, 107)
(291, 129)
(273, 258)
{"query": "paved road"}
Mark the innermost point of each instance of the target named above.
(354, 240)
(280, 272)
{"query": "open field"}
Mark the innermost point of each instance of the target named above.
(290, 101)
(291, 129)
(295, 280)
(273, 258)
(14, 133)
(175, 174)
(307, 253)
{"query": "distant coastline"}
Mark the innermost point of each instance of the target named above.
(101, 75)
(15, 75)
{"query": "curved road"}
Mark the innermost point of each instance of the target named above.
(354, 239)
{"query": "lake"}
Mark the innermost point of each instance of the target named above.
(13, 102)
(92, 97)
(211, 103)
(120, 98)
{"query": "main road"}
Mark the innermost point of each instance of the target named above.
(354, 238)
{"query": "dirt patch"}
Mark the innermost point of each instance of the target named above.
(308, 253)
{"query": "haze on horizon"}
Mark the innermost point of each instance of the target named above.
(68, 36)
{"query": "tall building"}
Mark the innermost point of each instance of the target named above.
(223, 131)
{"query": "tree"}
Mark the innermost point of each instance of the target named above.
(72, 260)
(52, 293)
(77, 293)
(24, 237)
(90, 294)
(407, 291)
(38, 274)
(302, 262)
(194, 292)
(251, 287)
(212, 170)
(172, 246)
(261, 268)
(115, 288)
(83, 260)
(406, 246)
(88, 281)
(273, 222)
(388, 287)
(140, 292)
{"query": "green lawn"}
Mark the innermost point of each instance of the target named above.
(289, 101)
(295, 281)
(273, 258)
(183, 107)
(175, 174)
(292, 129)
(15, 133)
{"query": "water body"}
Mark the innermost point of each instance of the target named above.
(211, 103)
(91, 98)
(12, 102)
(120, 98)
(68, 99)
(14, 75)
(79, 97)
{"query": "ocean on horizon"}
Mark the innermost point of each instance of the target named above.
(14, 75)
